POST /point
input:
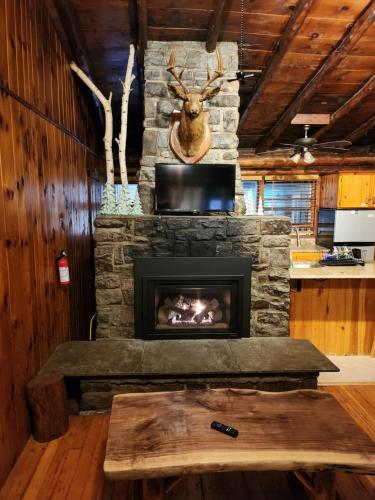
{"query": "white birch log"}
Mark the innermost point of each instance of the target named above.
(121, 141)
(109, 205)
(124, 205)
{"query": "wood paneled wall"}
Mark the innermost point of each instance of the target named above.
(337, 316)
(49, 182)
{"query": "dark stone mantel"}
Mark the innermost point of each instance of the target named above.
(173, 358)
(106, 368)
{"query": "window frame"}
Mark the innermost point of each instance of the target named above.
(262, 179)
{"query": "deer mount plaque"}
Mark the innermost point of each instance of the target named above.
(189, 132)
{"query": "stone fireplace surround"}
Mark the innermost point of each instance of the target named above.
(119, 239)
(119, 363)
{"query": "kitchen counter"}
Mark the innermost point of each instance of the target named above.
(335, 272)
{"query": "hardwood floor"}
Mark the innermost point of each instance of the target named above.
(71, 467)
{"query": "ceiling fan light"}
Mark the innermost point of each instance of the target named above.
(296, 158)
(308, 157)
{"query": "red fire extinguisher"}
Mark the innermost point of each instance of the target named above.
(63, 268)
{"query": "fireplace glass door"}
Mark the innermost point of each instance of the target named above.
(194, 308)
(174, 299)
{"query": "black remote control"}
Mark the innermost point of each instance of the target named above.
(224, 428)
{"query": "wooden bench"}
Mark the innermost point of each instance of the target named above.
(158, 435)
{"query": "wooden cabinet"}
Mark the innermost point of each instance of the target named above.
(336, 315)
(355, 190)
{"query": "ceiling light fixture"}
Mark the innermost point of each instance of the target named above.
(308, 157)
(296, 158)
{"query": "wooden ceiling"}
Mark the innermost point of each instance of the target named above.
(314, 56)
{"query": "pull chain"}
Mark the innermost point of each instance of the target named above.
(242, 6)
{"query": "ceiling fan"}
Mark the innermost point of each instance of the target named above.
(303, 146)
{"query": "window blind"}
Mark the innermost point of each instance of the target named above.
(294, 199)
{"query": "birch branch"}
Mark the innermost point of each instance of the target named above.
(121, 141)
(107, 106)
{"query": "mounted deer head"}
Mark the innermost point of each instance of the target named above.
(190, 139)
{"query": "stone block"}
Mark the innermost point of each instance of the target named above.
(181, 249)
(152, 74)
(147, 174)
(279, 274)
(178, 222)
(127, 288)
(230, 120)
(107, 280)
(133, 250)
(162, 248)
(224, 249)
(103, 261)
(243, 226)
(96, 401)
(223, 100)
(244, 249)
(165, 107)
(155, 89)
(151, 107)
(104, 316)
(203, 234)
(224, 140)
(104, 235)
(215, 116)
(109, 222)
(276, 241)
(162, 122)
(230, 155)
(150, 137)
(147, 161)
(154, 58)
(203, 248)
(276, 226)
(163, 139)
(280, 257)
(272, 324)
(150, 123)
(122, 316)
(108, 296)
(276, 289)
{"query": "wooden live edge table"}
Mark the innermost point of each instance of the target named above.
(167, 434)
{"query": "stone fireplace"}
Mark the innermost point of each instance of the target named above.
(192, 297)
(120, 240)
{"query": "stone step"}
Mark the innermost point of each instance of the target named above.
(171, 358)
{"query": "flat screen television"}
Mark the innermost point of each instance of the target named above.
(197, 188)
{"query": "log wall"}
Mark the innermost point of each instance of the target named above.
(49, 192)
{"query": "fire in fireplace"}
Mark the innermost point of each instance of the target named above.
(192, 307)
(192, 297)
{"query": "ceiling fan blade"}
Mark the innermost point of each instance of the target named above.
(276, 152)
(288, 144)
(328, 148)
(334, 144)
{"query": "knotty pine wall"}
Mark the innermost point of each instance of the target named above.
(50, 187)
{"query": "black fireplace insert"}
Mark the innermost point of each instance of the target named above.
(192, 297)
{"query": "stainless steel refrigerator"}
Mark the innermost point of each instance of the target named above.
(354, 228)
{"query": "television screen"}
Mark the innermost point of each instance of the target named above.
(200, 187)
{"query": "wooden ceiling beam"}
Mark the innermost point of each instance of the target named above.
(348, 106)
(142, 28)
(68, 23)
(291, 30)
(213, 30)
(273, 162)
(355, 32)
(362, 130)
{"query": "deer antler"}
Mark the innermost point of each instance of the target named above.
(218, 72)
(172, 70)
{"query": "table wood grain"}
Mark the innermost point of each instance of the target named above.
(168, 434)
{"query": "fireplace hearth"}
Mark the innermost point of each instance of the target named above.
(192, 297)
